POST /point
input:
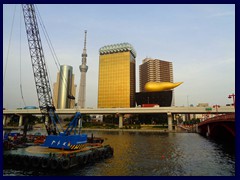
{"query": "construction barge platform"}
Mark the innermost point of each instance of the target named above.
(49, 158)
(30, 152)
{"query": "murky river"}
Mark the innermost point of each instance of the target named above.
(154, 154)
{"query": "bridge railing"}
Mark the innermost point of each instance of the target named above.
(225, 117)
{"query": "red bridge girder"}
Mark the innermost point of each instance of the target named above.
(221, 118)
(212, 125)
(228, 127)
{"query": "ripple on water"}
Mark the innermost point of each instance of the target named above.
(155, 154)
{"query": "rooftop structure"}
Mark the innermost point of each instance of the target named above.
(115, 48)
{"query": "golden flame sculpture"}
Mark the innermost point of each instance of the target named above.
(160, 86)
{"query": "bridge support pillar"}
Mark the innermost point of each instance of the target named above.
(169, 121)
(20, 120)
(120, 120)
(197, 128)
(177, 128)
(46, 120)
(208, 130)
(4, 120)
(25, 127)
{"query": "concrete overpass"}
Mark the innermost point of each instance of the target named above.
(137, 110)
(121, 111)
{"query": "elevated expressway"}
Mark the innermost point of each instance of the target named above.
(121, 111)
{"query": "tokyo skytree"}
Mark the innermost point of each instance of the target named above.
(83, 69)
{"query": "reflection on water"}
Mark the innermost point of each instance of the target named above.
(155, 154)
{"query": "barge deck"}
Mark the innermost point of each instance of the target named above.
(49, 158)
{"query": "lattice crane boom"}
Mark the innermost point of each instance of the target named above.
(64, 139)
(39, 67)
(37, 57)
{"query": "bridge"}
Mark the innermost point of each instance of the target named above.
(222, 126)
(121, 111)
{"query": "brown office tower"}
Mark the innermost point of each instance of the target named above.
(154, 70)
(116, 83)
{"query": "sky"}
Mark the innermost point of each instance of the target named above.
(199, 39)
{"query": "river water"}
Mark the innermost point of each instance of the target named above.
(153, 154)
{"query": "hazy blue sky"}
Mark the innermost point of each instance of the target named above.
(198, 39)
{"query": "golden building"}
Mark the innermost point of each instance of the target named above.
(116, 84)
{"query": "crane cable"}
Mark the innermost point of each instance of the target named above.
(21, 60)
(7, 59)
(9, 45)
(64, 80)
(48, 39)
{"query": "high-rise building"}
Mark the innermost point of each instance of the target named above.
(154, 70)
(64, 89)
(116, 84)
(83, 69)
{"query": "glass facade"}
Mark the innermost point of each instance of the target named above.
(64, 87)
(116, 84)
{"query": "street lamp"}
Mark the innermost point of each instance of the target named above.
(232, 96)
(216, 106)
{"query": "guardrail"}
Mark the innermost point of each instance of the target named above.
(137, 110)
(225, 117)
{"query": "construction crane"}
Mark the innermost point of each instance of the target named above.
(57, 138)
